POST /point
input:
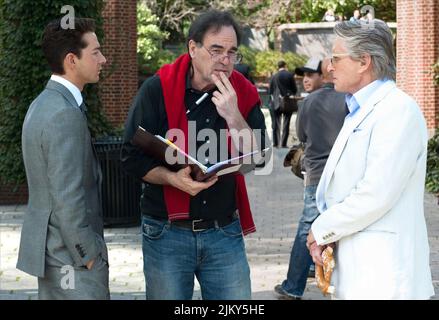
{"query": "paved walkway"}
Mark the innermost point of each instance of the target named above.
(277, 204)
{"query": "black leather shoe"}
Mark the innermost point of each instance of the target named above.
(285, 295)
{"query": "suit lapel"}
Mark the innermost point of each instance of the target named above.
(346, 131)
(53, 85)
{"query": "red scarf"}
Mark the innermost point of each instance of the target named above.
(173, 81)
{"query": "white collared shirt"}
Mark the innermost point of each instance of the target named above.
(70, 86)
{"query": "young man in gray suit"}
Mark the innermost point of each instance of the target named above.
(62, 237)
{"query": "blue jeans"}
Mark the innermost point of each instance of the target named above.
(300, 259)
(173, 255)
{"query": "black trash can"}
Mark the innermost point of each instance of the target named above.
(120, 192)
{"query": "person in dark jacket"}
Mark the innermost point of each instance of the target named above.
(282, 84)
(245, 70)
(318, 123)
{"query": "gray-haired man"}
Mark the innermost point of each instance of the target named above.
(371, 191)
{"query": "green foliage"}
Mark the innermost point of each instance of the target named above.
(432, 179)
(436, 73)
(313, 10)
(248, 56)
(266, 62)
(24, 72)
(176, 15)
(150, 41)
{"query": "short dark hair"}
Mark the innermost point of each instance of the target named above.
(281, 64)
(57, 42)
(212, 20)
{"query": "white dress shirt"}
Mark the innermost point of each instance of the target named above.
(70, 86)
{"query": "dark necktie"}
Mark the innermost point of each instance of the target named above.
(83, 108)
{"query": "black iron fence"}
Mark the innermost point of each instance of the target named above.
(120, 192)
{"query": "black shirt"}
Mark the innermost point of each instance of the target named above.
(244, 69)
(148, 110)
(318, 122)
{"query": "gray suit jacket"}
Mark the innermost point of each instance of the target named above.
(63, 223)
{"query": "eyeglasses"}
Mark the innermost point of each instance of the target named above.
(337, 57)
(217, 55)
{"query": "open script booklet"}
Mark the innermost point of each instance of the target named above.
(157, 147)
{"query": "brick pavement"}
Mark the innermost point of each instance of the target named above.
(277, 204)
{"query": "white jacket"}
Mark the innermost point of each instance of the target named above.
(371, 197)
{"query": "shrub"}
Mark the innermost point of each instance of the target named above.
(432, 179)
(150, 39)
(266, 62)
(24, 72)
(436, 73)
(249, 57)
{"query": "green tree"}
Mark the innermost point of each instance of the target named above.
(24, 72)
(313, 10)
(176, 15)
(266, 62)
(150, 41)
(249, 57)
(261, 14)
(432, 178)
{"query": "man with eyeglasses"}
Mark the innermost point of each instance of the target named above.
(195, 228)
(371, 192)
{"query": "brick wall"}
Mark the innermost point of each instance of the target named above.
(417, 49)
(118, 89)
(119, 47)
(13, 194)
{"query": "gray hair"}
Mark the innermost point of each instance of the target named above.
(374, 38)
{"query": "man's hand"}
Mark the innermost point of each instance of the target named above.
(182, 180)
(226, 102)
(316, 253)
(90, 264)
(314, 249)
(310, 239)
(225, 99)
